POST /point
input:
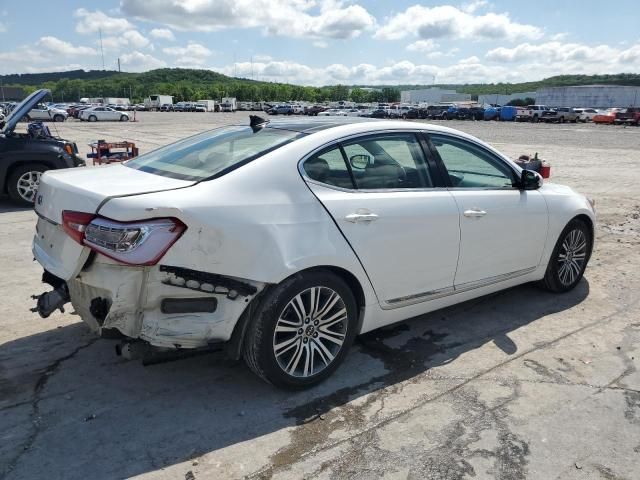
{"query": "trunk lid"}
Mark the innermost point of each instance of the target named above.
(83, 190)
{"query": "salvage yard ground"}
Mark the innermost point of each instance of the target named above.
(519, 384)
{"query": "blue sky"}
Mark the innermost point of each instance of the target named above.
(320, 42)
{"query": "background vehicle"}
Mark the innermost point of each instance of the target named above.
(531, 113)
(586, 114)
(437, 112)
(25, 156)
(199, 107)
(166, 108)
(43, 112)
(154, 102)
(333, 112)
(228, 104)
(560, 115)
(628, 116)
(281, 110)
(315, 110)
(103, 114)
(405, 230)
(606, 117)
(210, 105)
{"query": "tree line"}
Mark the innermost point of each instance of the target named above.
(189, 85)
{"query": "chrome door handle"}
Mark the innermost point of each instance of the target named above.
(474, 213)
(361, 217)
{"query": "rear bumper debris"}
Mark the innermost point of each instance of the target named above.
(165, 306)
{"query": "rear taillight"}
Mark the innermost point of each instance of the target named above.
(75, 224)
(135, 243)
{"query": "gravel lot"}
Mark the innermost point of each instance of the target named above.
(520, 384)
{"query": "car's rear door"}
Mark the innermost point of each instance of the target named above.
(503, 229)
(384, 198)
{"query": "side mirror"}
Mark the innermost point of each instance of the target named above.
(530, 180)
(360, 161)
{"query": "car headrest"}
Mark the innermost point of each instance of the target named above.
(317, 169)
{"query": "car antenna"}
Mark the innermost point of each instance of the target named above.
(257, 123)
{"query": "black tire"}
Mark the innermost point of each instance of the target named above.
(535, 119)
(93, 118)
(58, 118)
(124, 118)
(553, 279)
(16, 192)
(259, 349)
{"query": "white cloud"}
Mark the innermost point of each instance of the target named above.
(553, 52)
(320, 44)
(139, 62)
(3, 27)
(293, 18)
(451, 22)
(422, 46)
(92, 22)
(162, 34)
(475, 5)
(60, 47)
(191, 55)
(129, 39)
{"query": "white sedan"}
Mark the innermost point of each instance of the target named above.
(103, 114)
(333, 112)
(283, 241)
(44, 112)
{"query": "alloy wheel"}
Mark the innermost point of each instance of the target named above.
(572, 256)
(28, 185)
(310, 332)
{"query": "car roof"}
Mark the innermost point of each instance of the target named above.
(312, 125)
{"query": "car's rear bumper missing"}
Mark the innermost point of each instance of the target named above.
(166, 306)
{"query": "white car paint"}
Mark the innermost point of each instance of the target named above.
(44, 112)
(102, 114)
(265, 221)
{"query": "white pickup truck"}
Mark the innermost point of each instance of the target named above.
(532, 113)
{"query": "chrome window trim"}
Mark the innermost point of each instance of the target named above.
(447, 291)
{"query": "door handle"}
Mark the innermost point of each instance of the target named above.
(361, 217)
(474, 213)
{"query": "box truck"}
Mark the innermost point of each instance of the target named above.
(228, 104)
(154, 102)
(210, 105)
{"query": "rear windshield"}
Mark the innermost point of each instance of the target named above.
(213, 153)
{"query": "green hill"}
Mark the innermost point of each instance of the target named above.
(193, 84)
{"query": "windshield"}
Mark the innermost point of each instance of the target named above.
(213, 153)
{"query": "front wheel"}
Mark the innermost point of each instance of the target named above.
(301, 330)
(58, 118)
(569, 258)
(124, 118)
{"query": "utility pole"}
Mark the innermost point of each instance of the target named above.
(102, 49)
(118, 64)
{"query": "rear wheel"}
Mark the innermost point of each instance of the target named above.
(23, 183)
(569, 258)
(58, 118)
(93, 118)
(301, 330)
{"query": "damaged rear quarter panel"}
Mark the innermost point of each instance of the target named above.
(259, 222)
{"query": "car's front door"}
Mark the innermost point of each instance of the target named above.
(380, 191)
(503, 229)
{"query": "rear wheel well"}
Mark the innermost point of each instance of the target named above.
(235, 344)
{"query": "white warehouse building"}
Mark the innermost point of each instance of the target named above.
(596, 96)
(433, 95)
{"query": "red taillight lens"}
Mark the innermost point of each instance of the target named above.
(134, 243)
(75, 224)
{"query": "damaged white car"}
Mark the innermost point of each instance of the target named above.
(283, 241)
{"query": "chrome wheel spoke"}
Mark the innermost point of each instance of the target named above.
(572, 256)
(310, 331)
